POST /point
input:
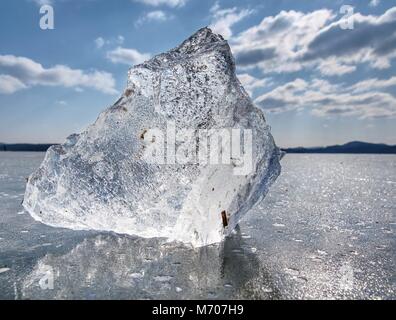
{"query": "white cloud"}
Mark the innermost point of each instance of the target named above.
(374, 3)
(156, 15)
(100, 42)
(9, 85)
(326, 99)
(43, 2)
(251, 83)
(61, 102)
(274, 43)
(29, 73)
(292, 41)
(331, 67)
(120, 39)
(169, 3)
(370, 84)
(224, 19)
(127, 56)
(373, 41)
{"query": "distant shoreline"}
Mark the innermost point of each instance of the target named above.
(355, 147)
(25, 147)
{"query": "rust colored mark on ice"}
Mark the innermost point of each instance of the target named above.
(224, 218)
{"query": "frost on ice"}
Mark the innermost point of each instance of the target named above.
(149, 165)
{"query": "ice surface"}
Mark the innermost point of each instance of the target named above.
(102, 178)
(354, 230)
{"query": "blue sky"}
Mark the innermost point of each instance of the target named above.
(317, 83)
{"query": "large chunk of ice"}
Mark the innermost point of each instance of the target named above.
(103, 178)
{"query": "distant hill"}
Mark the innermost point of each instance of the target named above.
(350, 147)
(24, 147)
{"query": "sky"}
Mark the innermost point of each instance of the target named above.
(322, 73)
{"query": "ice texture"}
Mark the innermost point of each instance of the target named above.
(101, 179)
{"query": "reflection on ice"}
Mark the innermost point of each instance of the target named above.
(113, 266)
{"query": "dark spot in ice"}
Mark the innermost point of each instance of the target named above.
(143, 133)
(303, 279)
(128, 92)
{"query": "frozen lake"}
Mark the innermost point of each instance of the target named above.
(325, 230)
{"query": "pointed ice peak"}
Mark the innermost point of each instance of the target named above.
(202, 38)
(203, 41)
